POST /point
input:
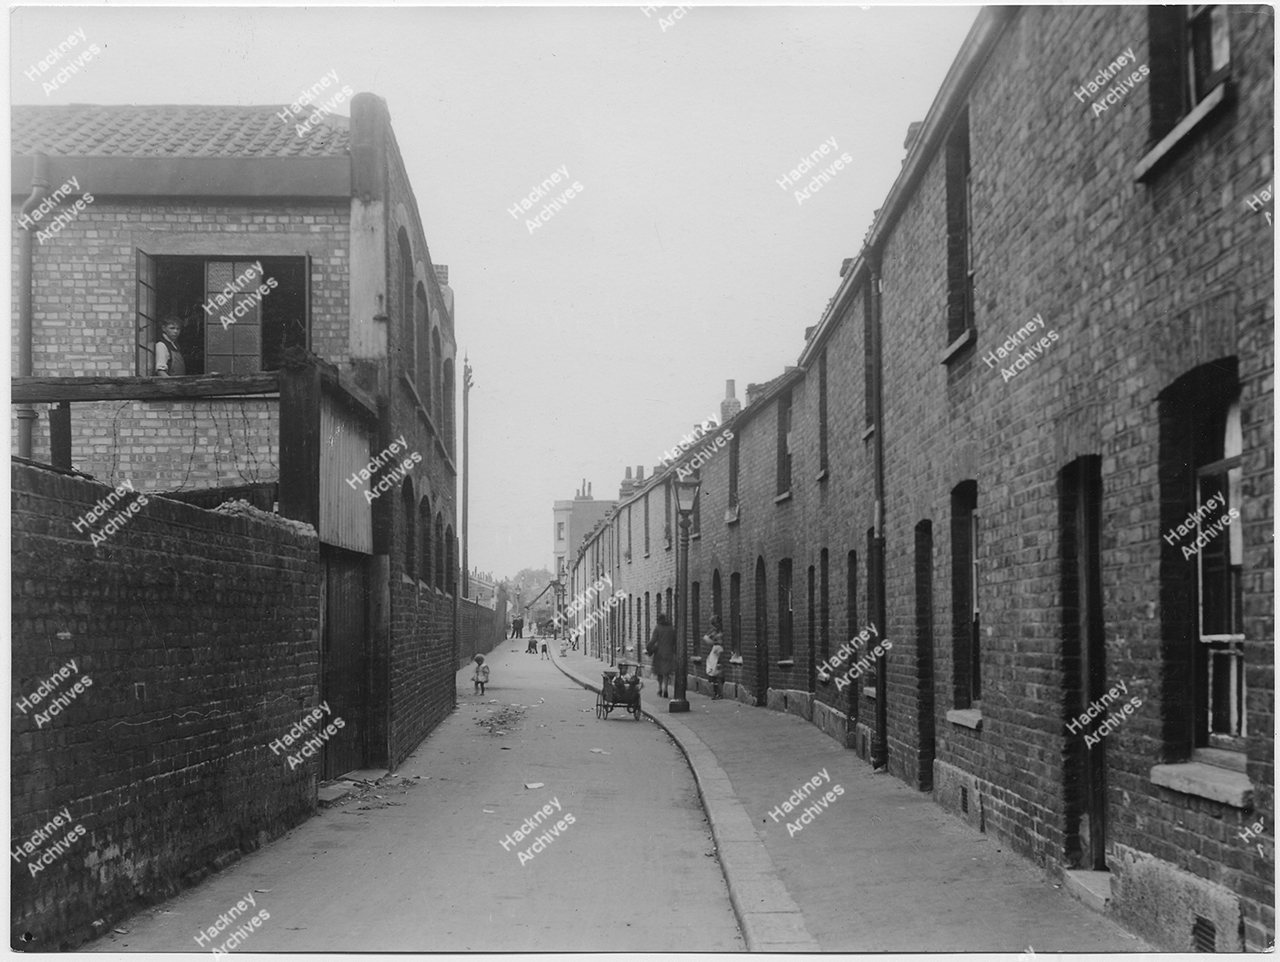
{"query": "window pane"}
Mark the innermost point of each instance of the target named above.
(1220, 43)
(1215, 571)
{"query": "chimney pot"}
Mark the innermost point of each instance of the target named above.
(628, 474)
(730, 405)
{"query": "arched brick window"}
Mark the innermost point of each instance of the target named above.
(424, 540)
(439, 536)
(449, 579)
(407, 510)
(405, 347)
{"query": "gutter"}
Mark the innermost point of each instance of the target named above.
(973, 55)
(26, 307)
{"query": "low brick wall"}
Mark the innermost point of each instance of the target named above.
(196, 634)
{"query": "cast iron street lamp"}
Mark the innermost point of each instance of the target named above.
(686, 494)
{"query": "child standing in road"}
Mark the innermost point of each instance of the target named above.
(482, 674)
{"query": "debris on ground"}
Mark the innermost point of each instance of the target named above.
(535, 784)
(601, 751)
(502, 721)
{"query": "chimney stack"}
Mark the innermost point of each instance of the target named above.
(628, 474)
(913, 131)
(588, 489)
(730, 405)
(639, 472)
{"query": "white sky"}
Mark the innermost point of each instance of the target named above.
(600, 338)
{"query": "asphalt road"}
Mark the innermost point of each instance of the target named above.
(423, 868)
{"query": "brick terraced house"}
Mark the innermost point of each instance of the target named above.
(317, 335)
(1031, 440)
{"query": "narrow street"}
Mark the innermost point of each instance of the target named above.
(423, 868)
(417, 863)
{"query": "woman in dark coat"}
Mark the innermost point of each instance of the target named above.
(662, 646)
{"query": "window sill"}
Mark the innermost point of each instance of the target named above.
(406, 580)
(1205, 781)
(868, 432)
(1221, 758)
(822, 475)
(1173, 138)
(786, 663)
(785, 496)
(731, 514)
(959, 344)
(735, 659)
(697, 536)
(869, 691)
(966, 718)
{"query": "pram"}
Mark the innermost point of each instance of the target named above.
(618, 694)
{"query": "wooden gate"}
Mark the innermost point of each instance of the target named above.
(345, 659)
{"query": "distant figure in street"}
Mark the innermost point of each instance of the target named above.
(481, 677)
(662, 646)
(532, 647)
(545, 653)
(715, 671)
(169, 362)
(518, 625)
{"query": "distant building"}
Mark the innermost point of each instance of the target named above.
(574, 520)
(484, 590)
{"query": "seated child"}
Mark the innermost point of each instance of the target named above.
(481, 677)
(627, 685)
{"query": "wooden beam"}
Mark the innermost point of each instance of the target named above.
(50, 390)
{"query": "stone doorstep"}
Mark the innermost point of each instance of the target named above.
(330, 795)
(1092, 888)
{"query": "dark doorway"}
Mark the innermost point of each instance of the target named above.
(924, 653)
(1086, 676)
(344, 659)
(762, 637)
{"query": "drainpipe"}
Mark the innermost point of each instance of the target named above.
(39, 189)
(880, 750)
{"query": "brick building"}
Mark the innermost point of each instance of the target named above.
(318, 337)
(1054, 348)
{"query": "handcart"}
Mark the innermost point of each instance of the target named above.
(616, 694)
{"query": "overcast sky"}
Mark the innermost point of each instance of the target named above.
(600, 337)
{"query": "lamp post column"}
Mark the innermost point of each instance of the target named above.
(681, 702)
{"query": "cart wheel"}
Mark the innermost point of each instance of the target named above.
(600, 704)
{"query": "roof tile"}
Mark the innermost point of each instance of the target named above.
(92, 130)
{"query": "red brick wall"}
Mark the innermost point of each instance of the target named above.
(198, 661)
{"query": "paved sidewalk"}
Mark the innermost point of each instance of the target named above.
(881, 869)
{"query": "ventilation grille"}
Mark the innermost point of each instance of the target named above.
(964, 800)
(1204, 936)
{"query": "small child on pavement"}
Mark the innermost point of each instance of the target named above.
(481, 677)
(715, 672)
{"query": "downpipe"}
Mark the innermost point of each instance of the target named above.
(880, 749)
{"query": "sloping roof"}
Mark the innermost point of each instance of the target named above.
(165, 130)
